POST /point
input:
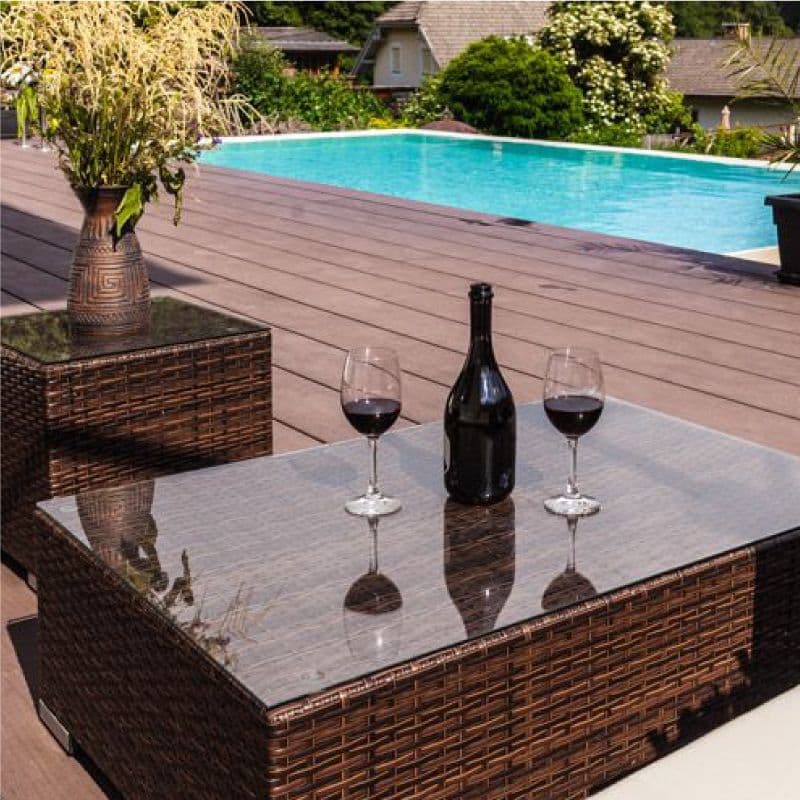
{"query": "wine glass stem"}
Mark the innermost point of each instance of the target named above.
(572, 524)
(372, 489)
(373, 565)
(572, 481)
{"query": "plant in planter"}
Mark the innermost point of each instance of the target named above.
(128, 92)
(773, 70)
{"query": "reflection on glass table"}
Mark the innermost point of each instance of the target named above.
(120, 528)
(479, 561)
(570, 586)
(373, 611)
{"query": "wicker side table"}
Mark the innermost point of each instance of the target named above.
(195, 391)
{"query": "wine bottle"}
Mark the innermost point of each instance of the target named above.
(480, 434)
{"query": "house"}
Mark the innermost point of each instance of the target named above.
(415, 39)
(305, 48)
(698, 71)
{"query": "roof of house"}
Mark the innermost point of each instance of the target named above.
(697, 67)
(449, 27)
(296, 40)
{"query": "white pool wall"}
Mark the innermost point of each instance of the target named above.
(735, 162)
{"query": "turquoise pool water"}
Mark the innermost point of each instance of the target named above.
(703, 205)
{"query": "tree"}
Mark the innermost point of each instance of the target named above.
(790, 12)
(275, 14)
(509, 87)
(616, 54)
(704, 20)
(349, 21)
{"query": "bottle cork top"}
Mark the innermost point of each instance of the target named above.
(481, 291)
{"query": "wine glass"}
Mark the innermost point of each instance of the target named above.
(370, 397)
(573, 401)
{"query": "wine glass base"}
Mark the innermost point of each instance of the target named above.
(578, 506)
(372, 506)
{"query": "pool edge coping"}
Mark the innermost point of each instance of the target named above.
(368, 132)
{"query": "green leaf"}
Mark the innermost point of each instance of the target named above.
(27, 108)
(173, 184)
(129, 208)
(172, 181)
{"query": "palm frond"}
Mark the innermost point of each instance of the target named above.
(765, 69)
(770, 71)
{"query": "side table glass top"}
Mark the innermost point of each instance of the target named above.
(296, 597)
(45, 336)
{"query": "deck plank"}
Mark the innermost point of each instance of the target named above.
(543, 298)
(32, 764)
(660, 259)
(11, 304)
(724, 296)
(521, 342)
(560, 294)
(579, 257)
(711, 339)
(647, 255)
(635, 391)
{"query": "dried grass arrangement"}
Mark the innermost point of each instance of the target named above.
(127, 88)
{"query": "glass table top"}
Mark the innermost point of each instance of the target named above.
(45, 336)
(261, 565)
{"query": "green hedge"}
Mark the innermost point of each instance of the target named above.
(736, 143)
(510, 88)
(326, 102)
(425, 105)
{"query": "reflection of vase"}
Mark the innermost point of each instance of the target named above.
(373, 616)
(121, 530)
(109, 291)
(479, 561)
(570, 587)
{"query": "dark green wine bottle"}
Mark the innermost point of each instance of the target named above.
(480, 433)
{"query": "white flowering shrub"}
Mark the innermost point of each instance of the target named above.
(616, 54)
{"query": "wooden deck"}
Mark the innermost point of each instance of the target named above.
(713, 340)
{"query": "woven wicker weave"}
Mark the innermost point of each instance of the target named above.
(95, 422)
(552, 708)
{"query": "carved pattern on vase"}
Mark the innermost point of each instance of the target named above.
(109, 290)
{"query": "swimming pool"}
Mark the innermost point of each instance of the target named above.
(708, 205)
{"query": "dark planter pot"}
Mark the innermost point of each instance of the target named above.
(786, 215)
(8, 123)
(109, 291)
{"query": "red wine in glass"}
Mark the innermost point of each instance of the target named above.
(573, 398)
(371, 401)
(372, 416)
(573, 414)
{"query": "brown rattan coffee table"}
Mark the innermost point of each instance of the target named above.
(235, 634)
(194, 391)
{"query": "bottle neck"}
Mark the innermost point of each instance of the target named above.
(481, 328)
